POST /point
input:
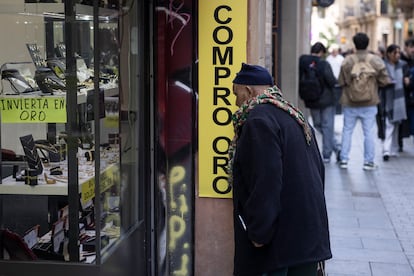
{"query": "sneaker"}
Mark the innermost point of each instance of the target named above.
(343, 164)
(326, 160)
(369, 166)
(386, 157)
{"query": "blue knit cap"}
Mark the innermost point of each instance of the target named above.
(253, 75)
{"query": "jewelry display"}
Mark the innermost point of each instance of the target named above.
(68, 151)
(49, 152)
(32, 157)
(31, 177)
(49, 180)
(56, 171)
(35, 55)
(18, 83)
(47, 80)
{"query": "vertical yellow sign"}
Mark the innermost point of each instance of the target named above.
(222, 49)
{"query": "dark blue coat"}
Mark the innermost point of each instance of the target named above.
(278, 192)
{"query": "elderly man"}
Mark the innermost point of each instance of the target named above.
(277, 175)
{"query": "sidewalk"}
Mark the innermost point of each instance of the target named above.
(371, 213)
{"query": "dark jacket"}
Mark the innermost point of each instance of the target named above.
(278, 193)
(409, 72)
(327, 79)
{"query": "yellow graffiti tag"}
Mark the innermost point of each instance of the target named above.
(184, 264)
(176, 175)
(183, 205)
(177, 229)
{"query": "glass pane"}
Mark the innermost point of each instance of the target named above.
(36, 167)
(109, 136)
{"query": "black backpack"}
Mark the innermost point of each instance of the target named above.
(310, 85)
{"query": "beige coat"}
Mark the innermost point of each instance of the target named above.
(382, 78)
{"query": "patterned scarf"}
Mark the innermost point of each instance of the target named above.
(394, 96)
(272, 95)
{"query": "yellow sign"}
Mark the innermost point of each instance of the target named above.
(108, 178)
(111, 121)
(88, 190)
(37, 109)
(222, 49)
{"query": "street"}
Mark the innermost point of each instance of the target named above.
(371, 213)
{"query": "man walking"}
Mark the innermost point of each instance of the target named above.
(322, 108)
(361, 74)
(335, 59)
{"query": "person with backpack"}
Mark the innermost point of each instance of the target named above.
(316, 88)
(360, 76)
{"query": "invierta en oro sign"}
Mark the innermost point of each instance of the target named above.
(37, 109)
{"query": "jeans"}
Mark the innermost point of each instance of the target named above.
(390, 142)
(323, 121)
(300, 270)
(367, 116)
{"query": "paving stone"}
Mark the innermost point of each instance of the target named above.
(384, 269)
(375, 222)
(343, 221)
(381, 244)
(346, 242)
(354, 232)
(339, 267)
(337, 274)
(411, 259)
(369, 255)
(407, 245)
(371, 214)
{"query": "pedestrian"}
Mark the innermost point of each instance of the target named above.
(381, 52)
(277, 175)
(392, 109)
(323, 108)
(335, 59)
(361, 74)
(408, 56)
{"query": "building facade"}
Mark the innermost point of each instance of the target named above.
(149, 211)
(385, 22)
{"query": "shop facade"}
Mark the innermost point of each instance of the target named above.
(100, 125)
(76, 131)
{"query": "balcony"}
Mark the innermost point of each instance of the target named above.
(406, 6)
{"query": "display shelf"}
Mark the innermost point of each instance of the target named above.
(86, 184)
(56, 10)
(85, 181)
(109, 91)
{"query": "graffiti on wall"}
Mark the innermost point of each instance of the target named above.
(179, 218)
(175, 111)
